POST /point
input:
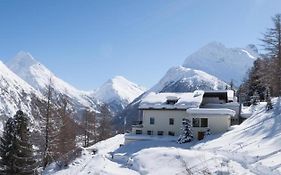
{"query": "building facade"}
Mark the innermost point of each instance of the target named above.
(162, 113)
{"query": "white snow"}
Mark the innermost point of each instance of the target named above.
(39, 77)
(159, 100)
(191, 76)
(225, 63)
(15, 94)
(219, 111)
(253, 147)
(118, 89)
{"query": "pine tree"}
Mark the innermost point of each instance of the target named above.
(7, 149)
(24, 158)
(255, 98)
(269, 105)
(16, 149)
(89, 128)
(186, 135)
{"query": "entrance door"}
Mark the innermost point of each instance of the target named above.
(200, 135)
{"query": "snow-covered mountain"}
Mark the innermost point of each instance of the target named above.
(118, 92)
(39, 77)
(225, 63)
(181, 79)
(15, 94)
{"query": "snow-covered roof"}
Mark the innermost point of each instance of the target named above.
(216, 111)
(182, 100)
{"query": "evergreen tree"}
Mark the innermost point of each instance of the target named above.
(24, 158)
(269, 105)
(7, 148)
(16, 149)
(255, 98)
(186, 135)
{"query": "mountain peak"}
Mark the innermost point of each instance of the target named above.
(24, 59)
(214, 44)
(118, 78)
(118, 89)
(225, 63)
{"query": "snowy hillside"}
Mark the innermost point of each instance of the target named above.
(118, 92)
(254, 147)
(225, 63)
(39, 77)
(15, 94)
(181, 79)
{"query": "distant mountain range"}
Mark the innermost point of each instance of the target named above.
(23, 82)
(212, 67)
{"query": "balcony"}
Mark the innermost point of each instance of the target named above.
(137, 124)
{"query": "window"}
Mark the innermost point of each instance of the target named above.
(160, 133)
(170, 133)
(138, 131)
(171, 121)
(152, 121)
(149, 132)
(172, 102)
(204, 122)
(195, 122)
(200, 122)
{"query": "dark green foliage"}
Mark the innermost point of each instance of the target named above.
(269, 105)
(7, 149)
(16, 149)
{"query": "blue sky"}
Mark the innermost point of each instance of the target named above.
(86, 42)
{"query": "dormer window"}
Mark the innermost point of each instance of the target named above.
(171, 100)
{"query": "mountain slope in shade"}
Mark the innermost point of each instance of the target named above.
(15, 94)
(225, 63)
(39, 77)
(118, 92)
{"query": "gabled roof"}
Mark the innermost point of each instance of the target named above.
(182, 100)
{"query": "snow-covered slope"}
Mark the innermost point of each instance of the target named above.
(39, 77)
(255, 144)
(225, 63)
(254, 147)
(181, 79)
(15, 94)
(118, 92)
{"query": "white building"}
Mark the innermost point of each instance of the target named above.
(162, 113)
